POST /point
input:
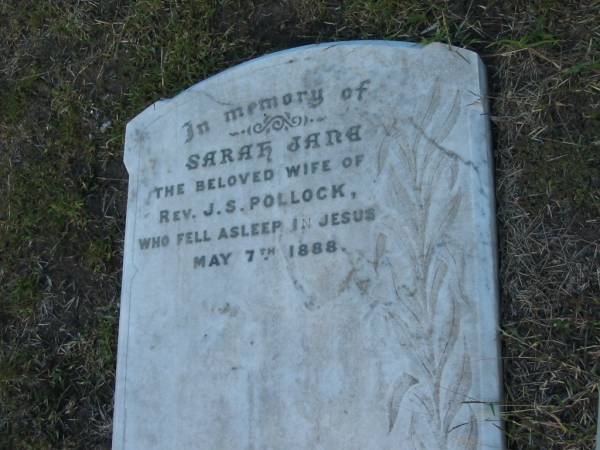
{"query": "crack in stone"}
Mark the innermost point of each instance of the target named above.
(443, 149)
(215, 100)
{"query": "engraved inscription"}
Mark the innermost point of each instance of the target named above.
(343, 206)
(311, 98)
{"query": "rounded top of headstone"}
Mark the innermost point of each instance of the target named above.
(359, 55)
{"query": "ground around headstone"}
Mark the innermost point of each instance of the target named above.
(73, 73)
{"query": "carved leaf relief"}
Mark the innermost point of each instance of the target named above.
(425, 318)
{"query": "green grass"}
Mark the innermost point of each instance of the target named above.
(73, 73)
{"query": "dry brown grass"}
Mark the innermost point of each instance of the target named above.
(73, 72)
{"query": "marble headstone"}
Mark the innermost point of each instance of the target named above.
(310, 257)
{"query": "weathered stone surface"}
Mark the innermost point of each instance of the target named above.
(310, 257)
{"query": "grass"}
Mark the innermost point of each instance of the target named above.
(72, 74)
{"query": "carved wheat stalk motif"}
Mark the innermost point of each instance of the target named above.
(428, 200)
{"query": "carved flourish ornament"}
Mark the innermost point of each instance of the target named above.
(277, 122)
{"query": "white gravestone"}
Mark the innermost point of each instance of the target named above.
(310, 257)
